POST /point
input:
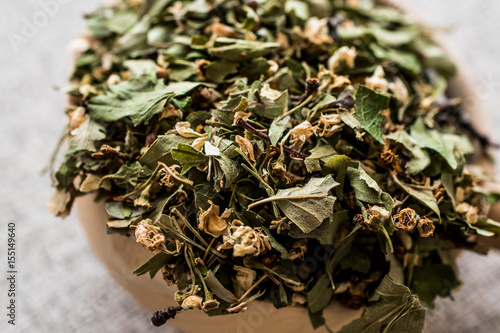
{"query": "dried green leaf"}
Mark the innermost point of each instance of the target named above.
(420, 160)
(153, 265)
(160, 150)
(239, 50)
(365, 187)
(86, 136)
(188, 157)
(278, 127)
(394, 309)
(320, 295)
(218, 289)
(308, 206)
(423, 194)
(319, 154)
(430, 281)
(369, 104)
(432, 139)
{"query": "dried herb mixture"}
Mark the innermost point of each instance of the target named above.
(296, 151)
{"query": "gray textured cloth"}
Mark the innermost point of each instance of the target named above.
(62, 286)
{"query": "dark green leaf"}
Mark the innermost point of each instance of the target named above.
(86, 136)
(394, 309)
(320, 295)
(188, 157)
(432, 139)
(369, 104)
(430, 281)
(153, 265)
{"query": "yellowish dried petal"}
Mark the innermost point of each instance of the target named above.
(377, 81)
(246, 147)
(199, 142)
(269, 92)
(222, 30)
(213, 224)
(184, 129)
(470, 212)
(245, 277)
(241, 114)
(58, 204)
(77, 117)
(192, 301)
(316, 31)
(399, 90)
(300, 134)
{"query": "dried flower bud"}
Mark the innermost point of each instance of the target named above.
(358, 218)
(389, 158)
(192, 301)
(149, 236)
(210, 305)
(425, 227)
(406, 219)
(213, 224)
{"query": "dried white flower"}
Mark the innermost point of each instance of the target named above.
(245, 240)
(328, 125)
(300, 134)
(377, 81)
(149, 236)
(343, 57)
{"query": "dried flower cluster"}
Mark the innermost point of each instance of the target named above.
(242, 139)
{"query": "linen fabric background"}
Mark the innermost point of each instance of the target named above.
(62, 287)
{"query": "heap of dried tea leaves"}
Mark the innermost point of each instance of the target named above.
(296, 151)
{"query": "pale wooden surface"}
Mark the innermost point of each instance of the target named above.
(122, 255)
(63, 286)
